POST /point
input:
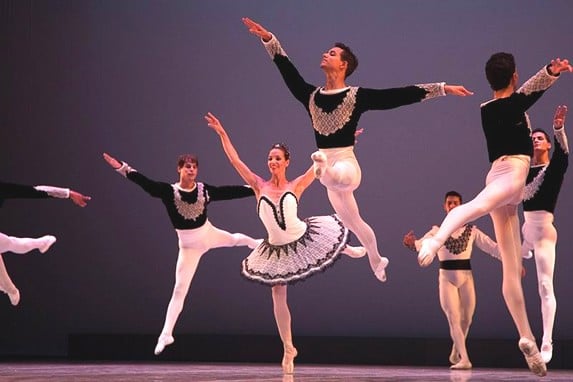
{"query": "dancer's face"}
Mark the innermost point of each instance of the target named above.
(332, 60)
(188, 172)
(277, 162)
(540, 143)
(451, 203)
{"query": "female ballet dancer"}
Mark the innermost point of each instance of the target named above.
(295, 249)
(335, 109)
(456, 281)
(186, 204)
(539, 234)
(508, 136)
(22, 245)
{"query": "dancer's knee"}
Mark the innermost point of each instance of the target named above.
(546, 289)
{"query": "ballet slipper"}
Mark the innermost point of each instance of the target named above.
(380, 271)
(48, 241)
(462, 365)
(454, 356)
(354, 252)
(427, 251)
(163, 341)
(290, 354)
(319, 163)
(532, 356)
(547, 351)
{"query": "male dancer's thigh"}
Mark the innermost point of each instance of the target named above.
(544, 249)
(449, 296)
(343, 171)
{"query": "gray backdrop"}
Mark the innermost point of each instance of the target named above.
(135, 78)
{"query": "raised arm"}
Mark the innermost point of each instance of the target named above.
(257, 29)
(153, 188)
(560, 155)
(244, 171)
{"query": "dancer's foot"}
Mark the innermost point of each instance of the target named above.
(380, 271)
(14, 296)
(354, 252)
(48, 241)
(319, 165)
(528, 254)
(454, 356)
(532, 356)
(547, 351)
(462, 365)
(163, 341)
(427, 251)
(290, 354)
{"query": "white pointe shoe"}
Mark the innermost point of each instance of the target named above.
(354, 252)
(290, 354)
(163, 341)
(532, 356)
(546, 352)
(319, 164)
(48, 241)
(380, 271)
(427, 252)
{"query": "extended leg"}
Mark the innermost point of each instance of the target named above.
(187, 263)
(283, 320)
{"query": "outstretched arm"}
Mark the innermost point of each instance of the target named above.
(457, 90)
(153, 188)
(244, 171)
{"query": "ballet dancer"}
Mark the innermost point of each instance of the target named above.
(335, 109)
(21, 245)
(508, 135)
(539, 234)
(295, 249)
(456, 281)
(186, 204)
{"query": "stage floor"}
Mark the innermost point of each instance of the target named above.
(175, 372)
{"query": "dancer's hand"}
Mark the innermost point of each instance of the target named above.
(558, 65)
(79, 199)
(559, 118)
(257, 29)
(409, 241)
(458, 90)
(111, 161)
(214, 123)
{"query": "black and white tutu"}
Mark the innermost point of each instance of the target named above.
(295, 249)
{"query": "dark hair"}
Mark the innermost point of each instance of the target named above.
(283, 148)
(499, 70)
(187, 158)
(453, 193)
(547, 137)
(348, 57)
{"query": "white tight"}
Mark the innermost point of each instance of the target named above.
(342, 175)
(458, 301)
(282, 314)
(540, 235)
(16, 245)
(193, 244)
(503, 192)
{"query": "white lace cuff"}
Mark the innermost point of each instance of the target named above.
(561, 138)
(273, 47)
(433, 90)
(55, 192)
(124, 169)
(542, 80)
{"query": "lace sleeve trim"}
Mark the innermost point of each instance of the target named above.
(55, 192)
(273, 47)
(433, 90)
(542, 80)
